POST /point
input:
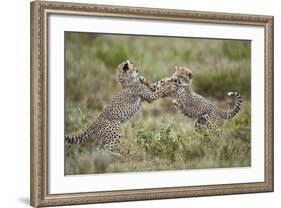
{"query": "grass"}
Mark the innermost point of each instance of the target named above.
(157, 137)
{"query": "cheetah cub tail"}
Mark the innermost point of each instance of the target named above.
(79, 139)
(230, 114)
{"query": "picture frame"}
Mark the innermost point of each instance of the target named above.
(40, 104)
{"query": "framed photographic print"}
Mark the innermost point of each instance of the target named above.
(139, 103)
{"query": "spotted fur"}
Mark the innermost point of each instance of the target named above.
(106, 129)
(166, 83)
(193, 105)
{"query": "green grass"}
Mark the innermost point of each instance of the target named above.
(157, 137)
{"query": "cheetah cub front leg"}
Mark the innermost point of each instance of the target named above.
(177, 104)
(149, 84)
(166, 85)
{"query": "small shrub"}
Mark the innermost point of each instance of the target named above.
(160, 144)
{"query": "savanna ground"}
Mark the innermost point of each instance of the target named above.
(157, 137)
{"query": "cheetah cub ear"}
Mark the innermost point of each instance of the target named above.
(126, 66)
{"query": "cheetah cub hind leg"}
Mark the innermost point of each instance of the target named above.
(108, 137)
(202, 126)
(114, 154)
(202, 123)
(109, 147)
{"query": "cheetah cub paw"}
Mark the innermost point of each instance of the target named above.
(177, 103)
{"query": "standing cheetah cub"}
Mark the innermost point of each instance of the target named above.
(106, 129)
(192, 105)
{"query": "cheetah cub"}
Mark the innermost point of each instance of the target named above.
(106, 129)
(192, 105)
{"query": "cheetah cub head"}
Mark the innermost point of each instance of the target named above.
(127, 73)
(182, 77)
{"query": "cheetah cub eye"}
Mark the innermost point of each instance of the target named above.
(176, 80)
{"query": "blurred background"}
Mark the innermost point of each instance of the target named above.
(158, 137)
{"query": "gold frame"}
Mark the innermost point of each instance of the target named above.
(39, 103)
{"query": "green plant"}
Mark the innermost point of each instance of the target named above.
(160, 144)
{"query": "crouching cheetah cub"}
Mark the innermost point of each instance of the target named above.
(192, 105)
(106, 128)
